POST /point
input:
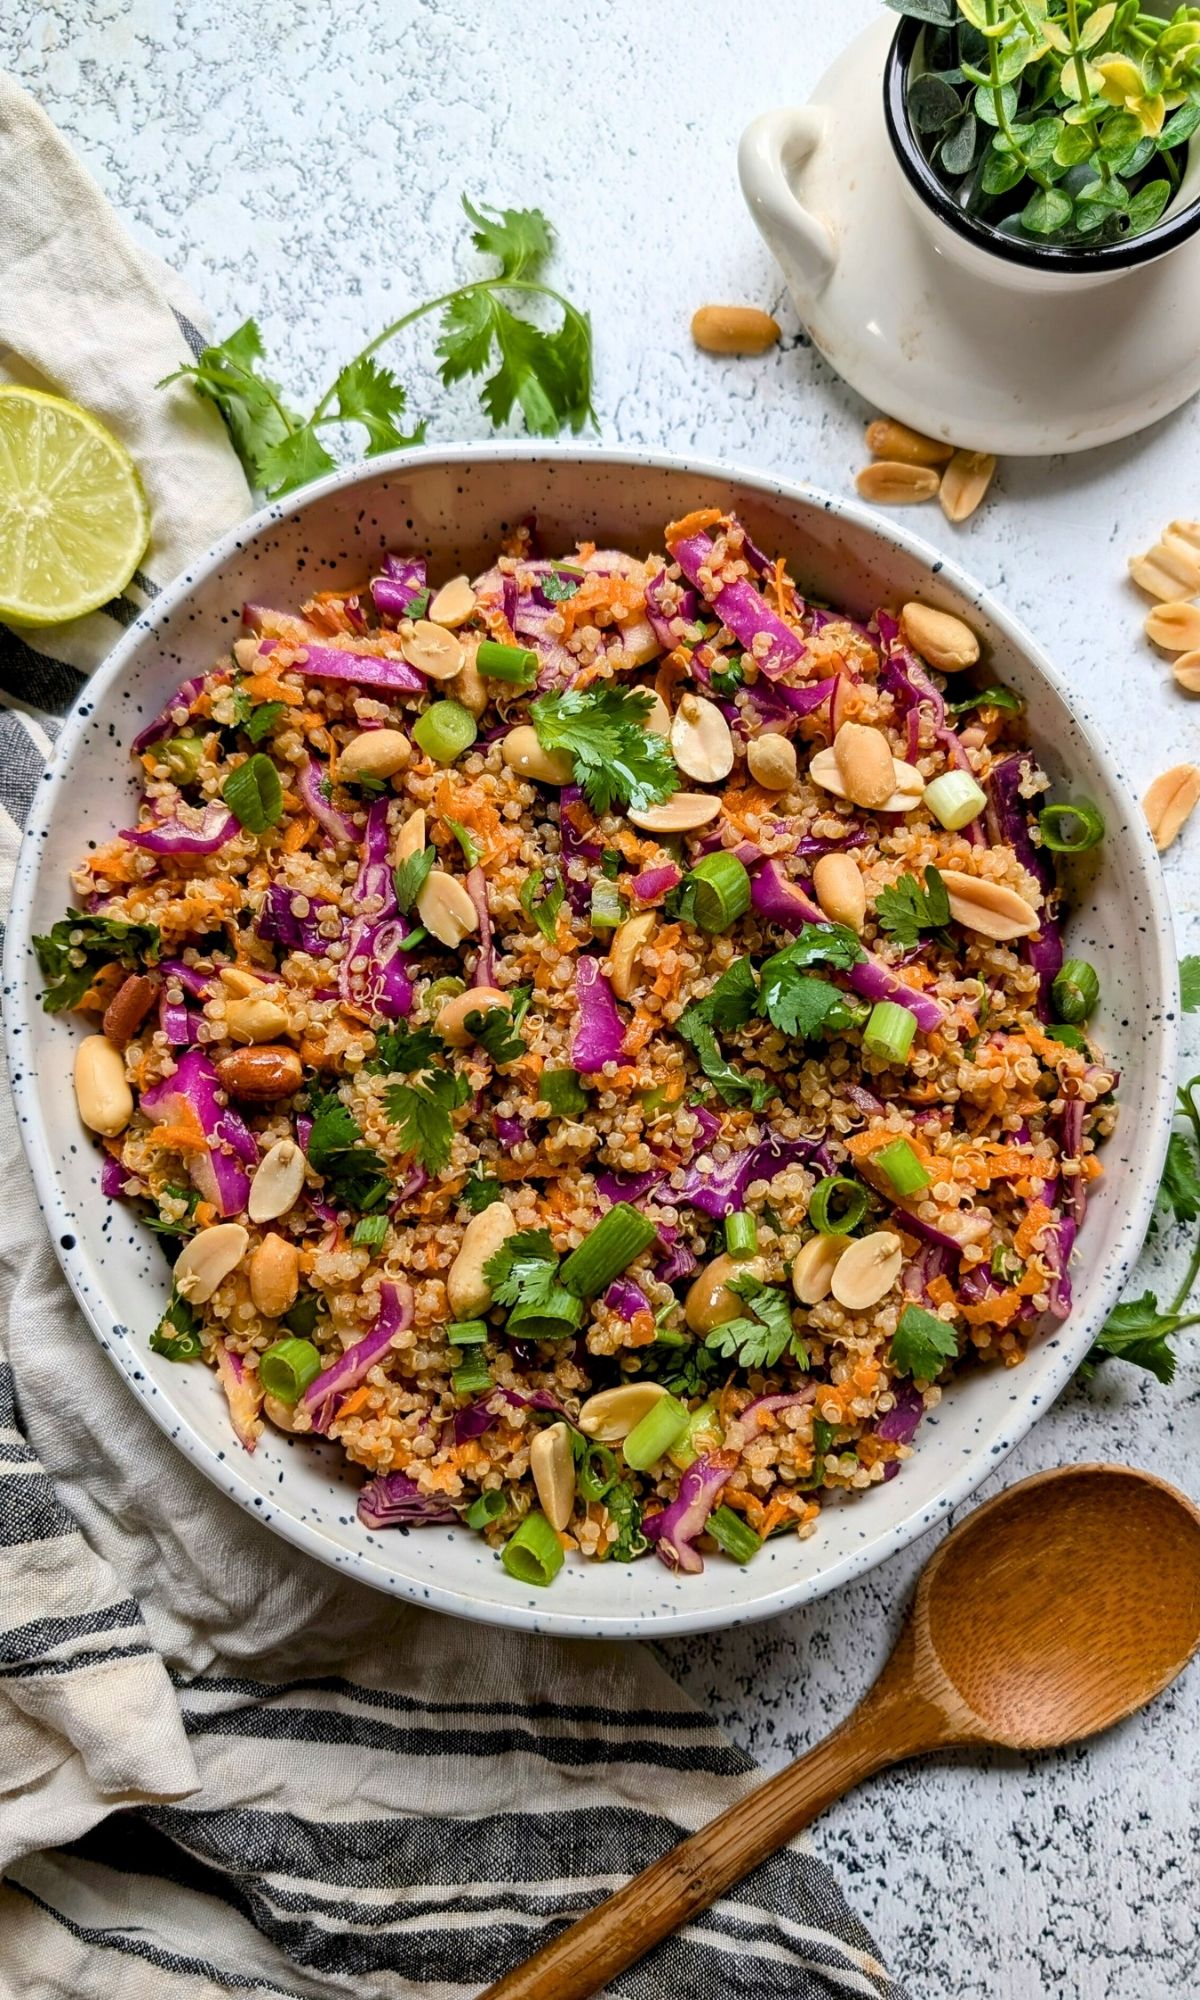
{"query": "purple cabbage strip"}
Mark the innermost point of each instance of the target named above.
(242, 1393)
(674, 1531)
(614, 1187)
(864, 1100)
(1009, 818)
(509, 1131)
(393, 1500)
(680, 1264)
(323, 1397)
(342, 663)
(175, 1020)
(220, 1171)
(655, 882)
(723, 1190)
(177, 836)
(599, 1033)
(198, 984)
(373, 975)
(164, 723)
(312, 780)
(776, 701)
(1074, 1187)
(916, 1226)
(661, 624)
(479, 1417)
(575, 847)
(931, 1261)
(739, 1434)
(899, 1426)
(375, 881)
(404, 579)
(276, 924)
(710, 1128)
(626, 1298)
(114, 1179)
(740, 606)
(1059, 1242)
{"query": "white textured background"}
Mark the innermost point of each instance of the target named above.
(303, 162)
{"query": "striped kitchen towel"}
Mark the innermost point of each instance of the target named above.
(223, 1768)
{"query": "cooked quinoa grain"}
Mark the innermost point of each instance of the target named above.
(677, 1057)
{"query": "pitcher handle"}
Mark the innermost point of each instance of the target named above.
(771, 153)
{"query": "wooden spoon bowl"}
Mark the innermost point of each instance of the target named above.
(1051, 1612)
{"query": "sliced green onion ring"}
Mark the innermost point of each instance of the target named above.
(1076, 990)
(955, 799)
(472, 1377)
(662, 1426)
(444, 731)
(557, 1318)
(1071, 829)
(852, 1199)
(720, 891)
(741, 1234)
(287, 1367)
(597, 1472)
(889, 1032)
(617, 1239)
(488, 1508)
(506, 663)
(534, 1553)
(467, 1332)
(902, 1168)
(730, 1533)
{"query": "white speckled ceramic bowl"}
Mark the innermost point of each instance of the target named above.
(451, 506)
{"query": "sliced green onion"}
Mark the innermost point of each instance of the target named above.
(617, 1239)
(261, 720)
(612, 861)
(445, 731)
(473, 1376)
(720, 891)
(653, 1435)
(370, 1232)
(183, 756)
(852, 1199)
(254, 794)
(597, 1472)
(488, 1508)
(703, 1424)
(1076, 990)
(902, 1167)
(534, 1554)
(287, 1367)
(955, 799)
(467, 1332)
(1005, 1264)
(889, 1032)
(730, 1533)
(506, 663)
(607, 909)
(741, 1234)
(443, 989)
(557, 1318)
(1071, 829)
(466, 840)
(563, 1092)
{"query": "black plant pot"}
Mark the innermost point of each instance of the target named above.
(1180, 221)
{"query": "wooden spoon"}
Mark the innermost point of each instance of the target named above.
(1050, 1613)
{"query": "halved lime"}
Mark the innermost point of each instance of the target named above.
(73, 517)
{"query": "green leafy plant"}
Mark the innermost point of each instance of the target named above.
(1057, 121)
(547, 375)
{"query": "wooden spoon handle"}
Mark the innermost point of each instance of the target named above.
(692, 1876)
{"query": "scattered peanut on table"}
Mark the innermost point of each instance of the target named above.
(908, 468)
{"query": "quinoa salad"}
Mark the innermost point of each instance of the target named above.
(594, 1041)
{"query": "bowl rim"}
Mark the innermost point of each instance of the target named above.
(1018, 1416)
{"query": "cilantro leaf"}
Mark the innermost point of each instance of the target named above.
(495, 1031)
(548, 375)
(177, 1334)
(481, 1191)
(798, 1005)
(731, 1002)
(423, 1114)
(561, 584)
(905, 910)
(75, 948)
(988, 697)
(465, 839)
(520, 239)
(227, 373)
(411, 876)
(1138, 1332)
(603, 728)
(524, 1270)
(545, 913)
(728, 679)
(730, 1084)
(922, 1344)
(293, 461)
(261, 720)
(1180, 1187)
(370, 395)
(689, 1371)
(354, 1173)
(403, 1049)
(1189, 983)
(761, 1341)
(624, 1510)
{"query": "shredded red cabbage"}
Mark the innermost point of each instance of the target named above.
(480, 1416)
(599, 1032)
(323, 1397)
(899, 1426)
(654, 883)
(276, 924)
(311, 784)
(192, 1096)
(403, 580)
(242, 1393)
(741, 607)
(393, 1500)
(626, 1298)
(674, 1531)
(164, 723)
(215, 827)
(485, 963)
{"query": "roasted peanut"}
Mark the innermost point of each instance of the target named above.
(888, 439)
(710, 1302)
(255, 1019)
(207, 1259)
(988, 907)
(446, 909)
(453, 604)
(945, 641)
(377, 753)
(910, 785)
(965, 483)
(552, 1463)
(865, 764)
(102, 1094)
(467, 1289)
(278, 1180)
(274, 1274)
(432, 651)
(129, 1007)
(866, 1271)
(523, 754)
(1170, 802)
(772, 762)
(681, 814)
(1175, 627)
(411, 838)
(1186, 670)
(611, 1415)
(840, 890)
(813, 1267)
(452, 1016)
(734, 329)
(701, 741)
(259, 1075)
(891, 483)
(629, 942)
(1171, 569)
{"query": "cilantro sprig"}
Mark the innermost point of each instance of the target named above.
(762, 1339)
(524, 1271)
(75, 949)
(905, 910)
(922, 1344)
(799, 1005)
(546, 374)
(618, 761)
(728, 1007)
(422, 1111)
(355, 1174)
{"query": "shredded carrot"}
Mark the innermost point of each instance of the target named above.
(298, 835)
(180, 1138)
(691, 524)
(999, 1311)
(774, 1517)
(355, 1400)
(268, 687)
(1025, 1240)
(206, 1213)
